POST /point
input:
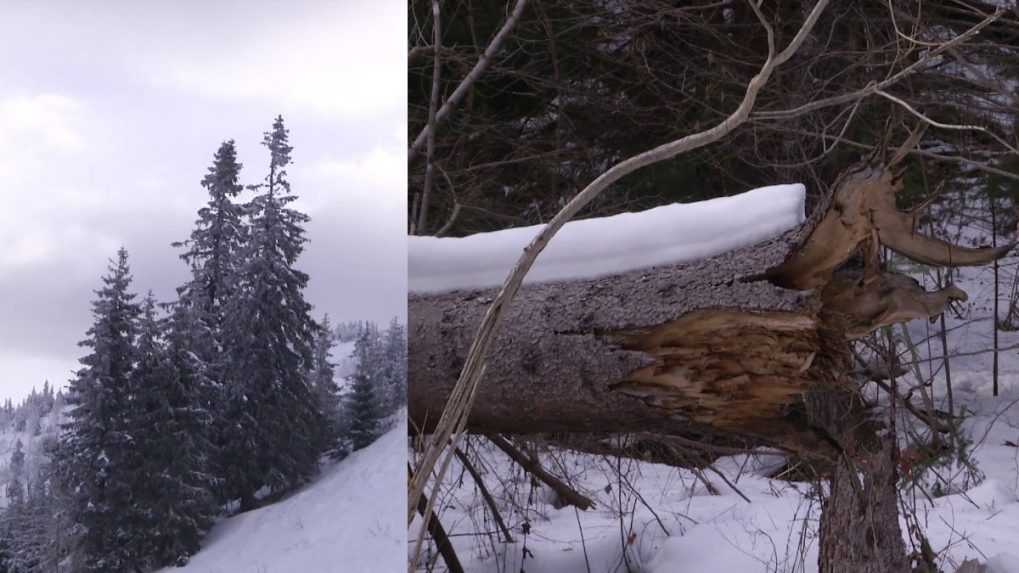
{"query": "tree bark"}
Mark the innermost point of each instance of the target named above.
(859, 530)
(713, 346)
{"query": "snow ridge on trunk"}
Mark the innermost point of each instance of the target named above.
(591, 248)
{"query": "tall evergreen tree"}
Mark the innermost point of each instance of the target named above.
(273, 419)
(6, 532)
(324, 383)
(364, 406)
(214, 252)
(60, 532)
(171, 488)
(95, 455)
(394, 367)
(13, 514)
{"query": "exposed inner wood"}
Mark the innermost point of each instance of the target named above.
(888, 298)
(740, 372)
(863, 205)
(748, 372)
(751, 346)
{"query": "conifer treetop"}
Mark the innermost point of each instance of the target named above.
(277, 141)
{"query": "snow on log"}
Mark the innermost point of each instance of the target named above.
(591, 248)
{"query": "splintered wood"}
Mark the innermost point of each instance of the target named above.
(725, 367)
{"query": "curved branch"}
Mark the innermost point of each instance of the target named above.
(934, 251)
(862, 206)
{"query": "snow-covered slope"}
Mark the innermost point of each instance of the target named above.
(350, 520)
(595, 247)
(33, 433)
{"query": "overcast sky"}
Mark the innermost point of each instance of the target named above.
(110, 113)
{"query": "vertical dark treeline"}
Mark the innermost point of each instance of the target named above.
(215, 402)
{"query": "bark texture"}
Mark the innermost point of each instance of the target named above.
(565, 348)
(860, 519)
(859, 530)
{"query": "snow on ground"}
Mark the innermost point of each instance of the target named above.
(595, 247)
(776, 531)
(350, 519)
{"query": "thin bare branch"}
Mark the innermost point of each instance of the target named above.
(566, 493)
(475, 73)
(873, 87)
(941, 125)
(433, 103)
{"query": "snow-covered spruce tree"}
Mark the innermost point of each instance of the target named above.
(394, 367)
(273, 421)
(323, 380)
(59, 531)
(171, 488)
(96, 454)
(364, 407)
(215, 244)
(214, 252)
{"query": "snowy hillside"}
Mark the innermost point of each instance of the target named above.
(34, 423)
(350, 519)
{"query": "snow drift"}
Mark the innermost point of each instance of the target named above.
(350, 519)
(596, 247)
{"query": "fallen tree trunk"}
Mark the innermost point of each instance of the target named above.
(559, 358)
(719, 345)
(753, 343)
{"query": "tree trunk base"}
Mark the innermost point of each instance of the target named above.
(859, 530)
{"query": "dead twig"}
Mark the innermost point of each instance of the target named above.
(438, 533)
(484, 494)
(566, 493)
